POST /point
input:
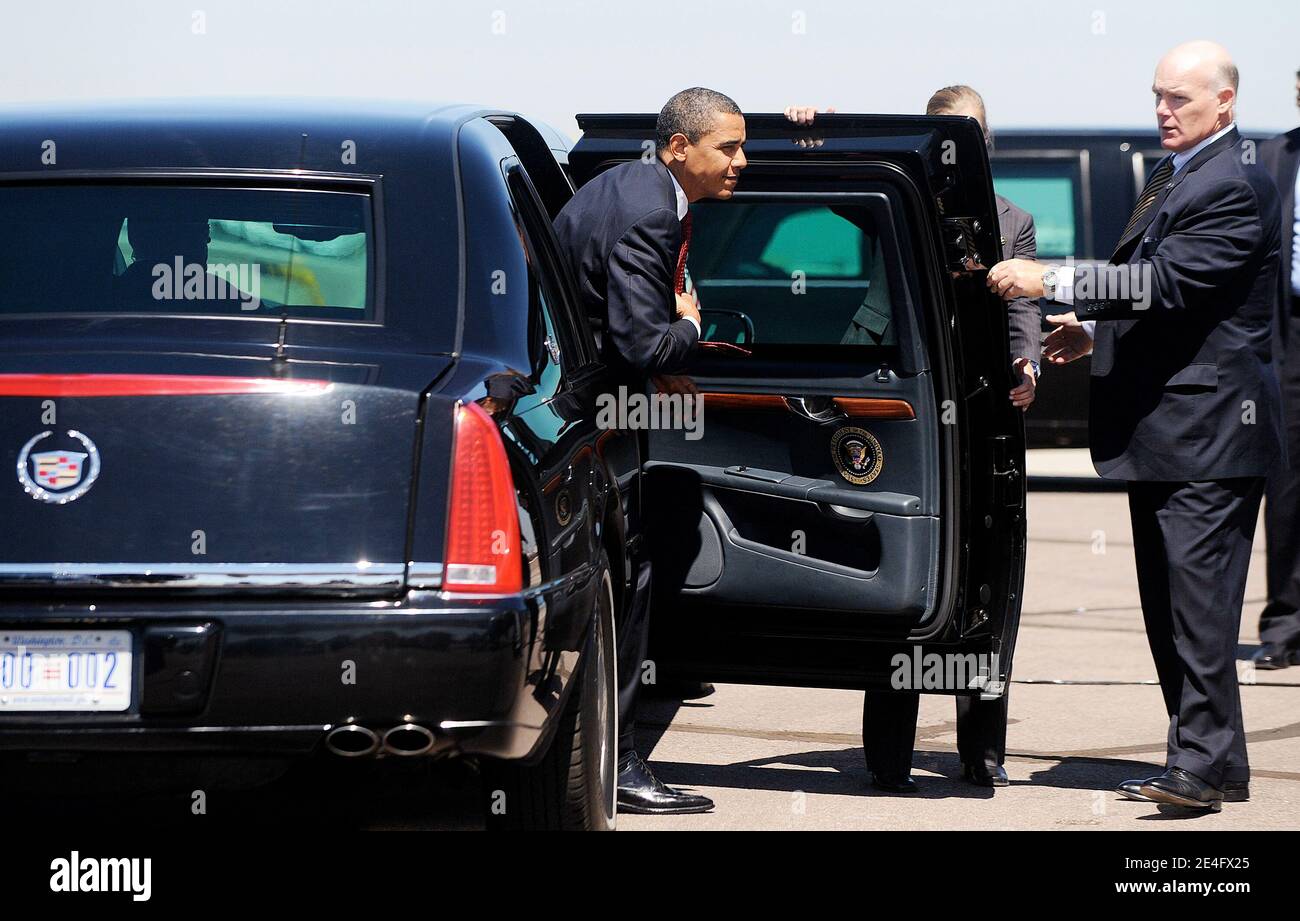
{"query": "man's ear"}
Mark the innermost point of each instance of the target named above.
(1227, 99)
(677, 145)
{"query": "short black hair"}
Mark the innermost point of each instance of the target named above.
(691, 112)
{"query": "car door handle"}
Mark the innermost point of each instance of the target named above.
(800, 406)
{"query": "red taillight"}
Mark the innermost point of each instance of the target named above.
(483, 546)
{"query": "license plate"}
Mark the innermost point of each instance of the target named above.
(65, 670)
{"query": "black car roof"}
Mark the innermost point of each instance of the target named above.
(239, 133)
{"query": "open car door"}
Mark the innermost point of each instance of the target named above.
(853, 489)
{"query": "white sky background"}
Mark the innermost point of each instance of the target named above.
(1039, 63)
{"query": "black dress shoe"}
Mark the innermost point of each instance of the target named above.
(1272, 656)
(694, 690)
(1234, 791)
(641, 792)
(679, 690)
(1132, 789)
(1177, 787)
(985, 775)
(893, 784)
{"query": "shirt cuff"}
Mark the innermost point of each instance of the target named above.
(699, 333)
(1064, 293)
(1090, 327)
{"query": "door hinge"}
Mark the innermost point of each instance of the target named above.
(975, 618)
(1007, 475)
(959, 234)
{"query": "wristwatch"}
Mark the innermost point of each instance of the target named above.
(1049, 282)
(1031, 368)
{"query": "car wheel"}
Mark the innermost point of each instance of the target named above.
(574, 786)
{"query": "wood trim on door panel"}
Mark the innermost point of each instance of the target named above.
(873, 408)
(748, 401)
(853, 407)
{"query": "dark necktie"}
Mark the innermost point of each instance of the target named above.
(679, 281)
(1154, 187)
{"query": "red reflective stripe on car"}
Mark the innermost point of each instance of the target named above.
(146, 385)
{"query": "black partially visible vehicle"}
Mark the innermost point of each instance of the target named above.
(1080, 187)
(365, 503)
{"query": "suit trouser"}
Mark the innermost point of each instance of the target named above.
(1192, 542)
(632, 630)
(889, 730)
(632, 634)
(1279, 622)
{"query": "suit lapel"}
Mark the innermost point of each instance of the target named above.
(1122, 251)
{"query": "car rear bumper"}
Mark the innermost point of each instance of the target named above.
(276, 678)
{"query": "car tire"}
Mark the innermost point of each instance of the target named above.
(573, 786)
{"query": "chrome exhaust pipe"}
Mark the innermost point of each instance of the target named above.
(408, 740)
(352, 741)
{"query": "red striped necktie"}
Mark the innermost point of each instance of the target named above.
(679, 281)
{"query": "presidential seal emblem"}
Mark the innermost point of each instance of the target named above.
(857, 455)
(58, 476)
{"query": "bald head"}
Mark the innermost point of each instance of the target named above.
(1195, 90)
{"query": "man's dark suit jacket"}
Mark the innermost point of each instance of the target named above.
(621, 235)
(1024, 321)
(1280, 156)
(1185, 389)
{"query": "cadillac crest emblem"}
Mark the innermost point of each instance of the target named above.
(58, 476)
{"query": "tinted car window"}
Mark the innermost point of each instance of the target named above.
(171, 250)
(792, 274)
(1049, 191)
(546, 374)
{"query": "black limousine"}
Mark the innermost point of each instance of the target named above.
(300, 414)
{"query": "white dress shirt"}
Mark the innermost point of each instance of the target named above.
(683, 208)
(1065, 291)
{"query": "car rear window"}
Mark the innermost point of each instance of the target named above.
(115, 248)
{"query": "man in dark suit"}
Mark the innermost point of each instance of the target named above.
(1184, 404)
(625, 235)
(1279, 623)
(889, 717)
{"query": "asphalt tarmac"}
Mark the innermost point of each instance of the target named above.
(1085, 714)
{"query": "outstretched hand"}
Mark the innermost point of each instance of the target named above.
(1068, 342)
